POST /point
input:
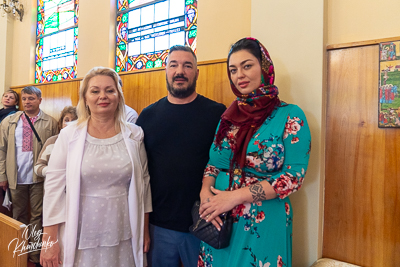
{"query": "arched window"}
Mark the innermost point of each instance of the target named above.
(146, 29)
(56, 40)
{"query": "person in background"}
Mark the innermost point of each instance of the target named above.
(130, 113)
(179, 130)
(10, 101)
(68, 114)
(97, 193)
(261, 151)
(19, 151)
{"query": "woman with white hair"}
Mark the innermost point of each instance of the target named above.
(97, 193)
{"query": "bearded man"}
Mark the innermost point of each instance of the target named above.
(179, 130)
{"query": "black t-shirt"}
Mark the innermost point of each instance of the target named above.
(177, 139)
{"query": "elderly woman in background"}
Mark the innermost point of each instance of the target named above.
(68, 114)
(97, 193)
(261, 153)
(10, 101)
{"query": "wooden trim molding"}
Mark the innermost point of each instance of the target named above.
(14, 87)
(361, 43)
(202, 63)
(141, 88)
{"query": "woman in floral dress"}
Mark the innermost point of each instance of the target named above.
(261, 149)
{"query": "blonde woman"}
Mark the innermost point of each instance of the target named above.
(10, 101)
(97, 192)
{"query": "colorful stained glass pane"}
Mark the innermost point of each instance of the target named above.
(122, 46)
(57, 40)
(149, 64)
(193, 34)
(125, 18)
(122, 5)
(158, 63)
(148, 28)
(58, 15)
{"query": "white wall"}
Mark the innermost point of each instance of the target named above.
(220, 24)
(96, 35)
(23, 46)
(293, 33)
(355, 20)
(3, 52)
(6, 30)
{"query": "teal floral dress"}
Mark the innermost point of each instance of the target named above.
(262, 232)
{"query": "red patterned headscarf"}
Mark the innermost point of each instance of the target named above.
(249, 111)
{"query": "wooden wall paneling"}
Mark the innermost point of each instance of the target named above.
(357, 164)
(391, 232)
(56, 95)
(157, 87)
(213, 83)
(141, 88)
(75, 93)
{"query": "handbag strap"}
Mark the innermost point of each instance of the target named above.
(33, 128)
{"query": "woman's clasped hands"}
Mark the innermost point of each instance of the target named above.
(216, 202)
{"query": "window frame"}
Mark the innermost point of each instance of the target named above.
(156, 59)
(58, 74)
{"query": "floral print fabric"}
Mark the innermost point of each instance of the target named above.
(278, 153)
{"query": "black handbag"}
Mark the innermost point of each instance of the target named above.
(207, 232)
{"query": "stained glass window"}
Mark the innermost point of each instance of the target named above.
(146, 29)
(56, 40)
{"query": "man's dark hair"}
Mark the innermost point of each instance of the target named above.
(32, 90)
(183, 48)
(246, 44)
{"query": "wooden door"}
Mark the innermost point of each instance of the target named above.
(362, 179)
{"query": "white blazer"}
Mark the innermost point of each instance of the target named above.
(62, 188)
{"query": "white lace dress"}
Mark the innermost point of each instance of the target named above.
(104, 233)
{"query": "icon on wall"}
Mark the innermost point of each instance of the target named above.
(389, 83)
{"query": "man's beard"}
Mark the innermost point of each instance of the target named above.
(181, 92)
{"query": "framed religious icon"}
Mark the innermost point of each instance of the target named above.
(389, 83)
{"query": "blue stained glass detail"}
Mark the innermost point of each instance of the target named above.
(139, 64)
(191, 14)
